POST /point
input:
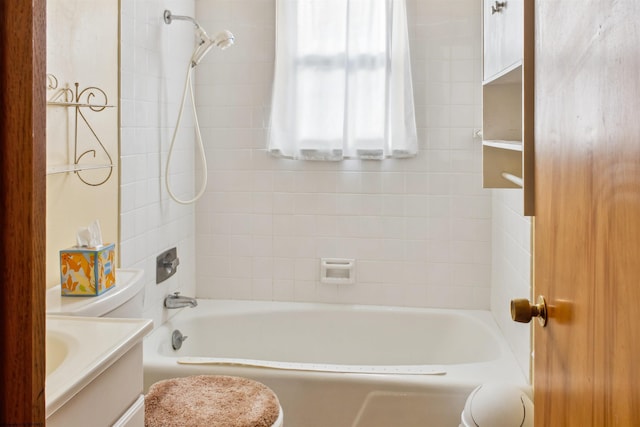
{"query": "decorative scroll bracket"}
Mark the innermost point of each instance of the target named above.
(96, 100)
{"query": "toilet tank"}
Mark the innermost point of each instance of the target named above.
(124, 300)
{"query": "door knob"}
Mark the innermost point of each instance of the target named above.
(523, 311)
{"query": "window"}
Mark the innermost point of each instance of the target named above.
(342, 85)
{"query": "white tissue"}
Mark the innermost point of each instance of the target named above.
(90, 237)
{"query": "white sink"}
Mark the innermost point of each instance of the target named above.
(79, 349)
(57, 349)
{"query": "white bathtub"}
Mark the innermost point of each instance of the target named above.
(341, 365)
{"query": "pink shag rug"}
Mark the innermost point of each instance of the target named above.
(211, 401)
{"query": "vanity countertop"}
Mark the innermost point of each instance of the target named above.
(81, 348)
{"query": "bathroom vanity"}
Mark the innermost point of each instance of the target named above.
(94, 371)
(94, 356)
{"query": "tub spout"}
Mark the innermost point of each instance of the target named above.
(176, 301)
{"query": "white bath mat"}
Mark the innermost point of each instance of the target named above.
(319, 367)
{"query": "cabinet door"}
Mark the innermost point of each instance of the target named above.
(503, 29)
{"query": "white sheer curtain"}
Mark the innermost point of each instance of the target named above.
(342, 85)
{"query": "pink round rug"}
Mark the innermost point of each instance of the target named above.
(212, 401)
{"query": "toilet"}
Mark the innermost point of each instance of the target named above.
(125, 299)
(497, 405)
(169, 402)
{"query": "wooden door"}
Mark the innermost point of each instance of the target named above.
(587, 224)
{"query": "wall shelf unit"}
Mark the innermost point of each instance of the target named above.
(507, 101)
(89, 99)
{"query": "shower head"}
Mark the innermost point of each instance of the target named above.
(223, 39)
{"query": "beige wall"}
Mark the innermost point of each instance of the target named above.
(82, 47)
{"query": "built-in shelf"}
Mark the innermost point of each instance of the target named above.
(499, 160)
(505, 145)
(507, 98)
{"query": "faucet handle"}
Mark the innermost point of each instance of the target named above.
(171, 265)
(167, 264)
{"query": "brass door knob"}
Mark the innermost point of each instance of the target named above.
(523, 311)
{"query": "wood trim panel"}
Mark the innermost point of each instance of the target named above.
(22, 217)
(528, 102)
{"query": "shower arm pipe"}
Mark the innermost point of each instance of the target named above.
(169, 17)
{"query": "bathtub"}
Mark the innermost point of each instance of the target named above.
(341, 365)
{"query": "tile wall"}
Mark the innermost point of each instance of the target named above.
(420, 229)
(153, 65)
(511, 269)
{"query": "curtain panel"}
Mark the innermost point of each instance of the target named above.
(342, 83)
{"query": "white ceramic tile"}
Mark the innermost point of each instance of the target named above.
(386, 205)
(284, 290)
(471, 229)
(305, 291)
(464, 93)
(471, 207)
(462, 139)
(416, 183)
(445, 296)
(438, 184)
(467, 184)
(262, 289)
(466, 160)
(438, 273)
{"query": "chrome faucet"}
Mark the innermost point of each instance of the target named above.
(176, 301)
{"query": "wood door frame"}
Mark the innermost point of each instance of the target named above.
(23, 198)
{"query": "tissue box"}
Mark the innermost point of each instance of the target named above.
(87, 271)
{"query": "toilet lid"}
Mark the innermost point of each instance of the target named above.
(211, 400)
(496, 405)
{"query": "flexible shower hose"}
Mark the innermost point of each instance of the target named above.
(187, 85)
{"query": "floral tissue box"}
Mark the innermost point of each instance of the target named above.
(87, 271)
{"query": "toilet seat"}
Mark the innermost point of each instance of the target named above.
(279, 422)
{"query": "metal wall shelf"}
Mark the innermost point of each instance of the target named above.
(52, 170)
(95, 100)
